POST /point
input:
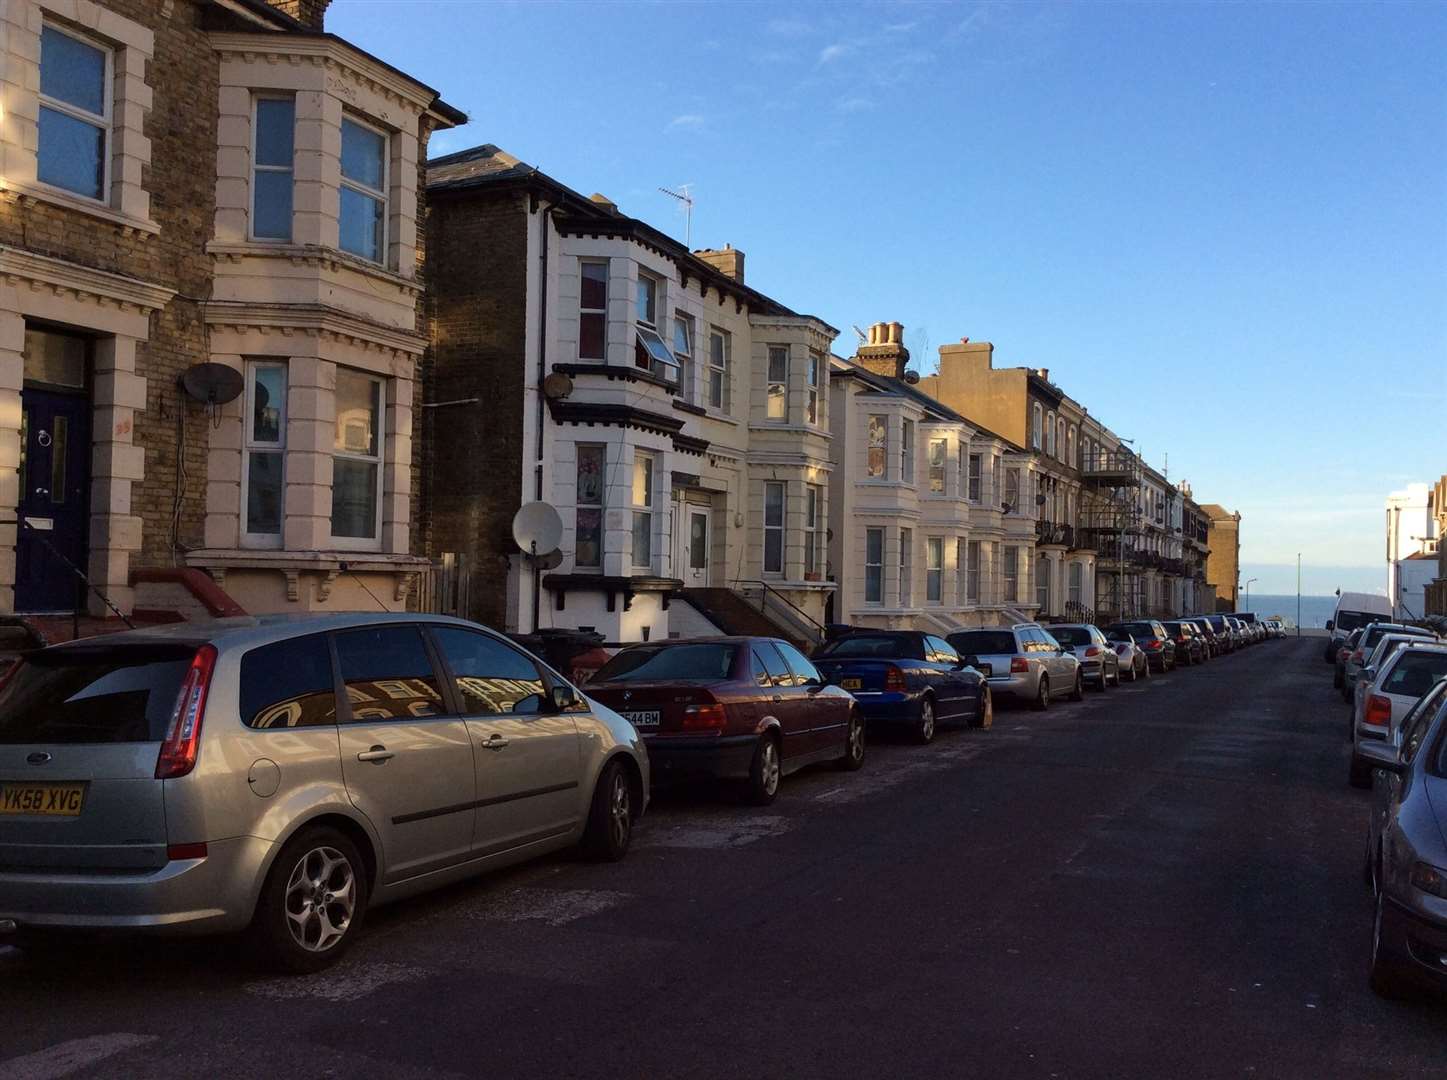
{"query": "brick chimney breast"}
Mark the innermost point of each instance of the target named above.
(310, 13)
(884, 354)
(729, 261)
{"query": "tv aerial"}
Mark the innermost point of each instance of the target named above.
(684, 196)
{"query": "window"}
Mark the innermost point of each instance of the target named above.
(1050, 434)
(1012, 490)
(972, 573)
(490, 677)
(778, 400)
(1042, 583)
(719, 347)
(811, 402)
(995, 476)
(1070, 448)
(962, 563)
(642, 509)
(289, 684)
(588, 526)
(652, 355)
(1076, 586)
(75, 111)
(265, 448)
(668, 663)
(813, 496)
(974, 489)
(647, 300)
(906, 566)
(1012, 574)
(934, 570)
(1059, 449)
(878, 445)
(773, 528)
(774, 665)
(593, 311)
(1037, 421)
(874, 566)
(357, 457)
(364, 191)
(697, 540)
(388, 674)
(938, 452)
(804, 671)
(273, 129)
(683, 353)
(906, 454)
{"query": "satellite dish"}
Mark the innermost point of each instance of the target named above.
(537, 528)
(212, 384)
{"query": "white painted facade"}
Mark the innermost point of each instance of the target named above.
(1411, 528)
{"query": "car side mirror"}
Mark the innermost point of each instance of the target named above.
(1381, 755)
(1330, 625)
(563, 697)
(1369, 674)
(813, 685)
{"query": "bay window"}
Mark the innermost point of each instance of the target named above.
(972, 573)
(938, 453)
(1037, 422)
(906, 454)
(591, 499)
(934, 569)
(813, 499)
(357, 460)
(1042, 584)
(642, 552)
(974, 482)
(273, 128)
(773, 528)
(778, 390)
(73, 149)
(1012, 490)
(262, 462)
(1076, 586)
(1012, 574)
(811, 402)
(364, 191)
(593, 311)
(878, 445)
(962, 563)
(1050, 434)
(683, 353)
(647, 300)
(874, 566)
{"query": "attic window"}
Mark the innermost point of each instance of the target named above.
(652, 355)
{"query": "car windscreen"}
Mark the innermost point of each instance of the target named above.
(1414, 673)
(869, 645)
(983, 642)
(670, 663)
(1347, 621)
(110, 694)
(1072, 635)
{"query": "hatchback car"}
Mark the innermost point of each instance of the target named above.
(1130, 656)
(1024, 662)
(1099, 662)
(1207, 634)
(1360, 653)
(281, 775)
(1222, 630)
(1190, 648)
(1406, 856)
(1404, 677)
(1151, 636)
(907, 678)
(733, 708)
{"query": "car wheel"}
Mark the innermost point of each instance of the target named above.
(853, 742)
(1135, 674)
(1104, 680)
(764, 773)
(986, 718)
(1359, 775)
(924, 728)
(1042, 695)
(1078, 693)
(1386, 977)
(1117, 676)
(610, 818)
(312, 903)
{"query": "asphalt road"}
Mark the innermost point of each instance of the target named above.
(1163, 880)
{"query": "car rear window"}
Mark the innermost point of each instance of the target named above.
(112, 694)
(289, 684)
(864, 645)
(1139, 629)
(670, 663)
(983, 642)
(1415, 672)
(1071, 635)
(1350, 620)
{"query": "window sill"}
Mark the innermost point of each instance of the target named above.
(722, 418)
(59, 197)
(335, 258)
(794, 429)
(615, 371)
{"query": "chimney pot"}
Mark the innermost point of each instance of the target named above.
(884, 354)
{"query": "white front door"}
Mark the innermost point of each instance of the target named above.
(695, 573)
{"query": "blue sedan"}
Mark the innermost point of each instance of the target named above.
(906, 678)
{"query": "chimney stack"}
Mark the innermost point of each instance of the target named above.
(728, 262)
(884, 354)
(310, 13)
(603, 201)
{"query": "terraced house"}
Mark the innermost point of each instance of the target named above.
(220, 190)
(677, 419)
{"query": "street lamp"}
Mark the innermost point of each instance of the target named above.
(1298, 594)
(1248, 593)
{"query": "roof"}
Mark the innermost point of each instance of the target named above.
(1214, 511)
(888, 384)
(485, 162)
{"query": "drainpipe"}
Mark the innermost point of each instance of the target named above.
(543, 211)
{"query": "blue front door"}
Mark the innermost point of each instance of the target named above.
(54, 500)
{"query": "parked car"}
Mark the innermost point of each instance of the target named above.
(1239, 632)
(1406, 856)
(1353, 611)
(1208, 634)
(1276, 627)
(749, 709)
(1255, 629)
(1099, 663)
(1222, 631)
(1405, 676)
(1151, 636)
(210, 777)
(1349, 643)
(1190, 649)
(1387, 644)
(1356, 659)
(907, 678)
(1023, 662)
(1131, 656)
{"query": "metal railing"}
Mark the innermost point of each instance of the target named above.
(773, 604)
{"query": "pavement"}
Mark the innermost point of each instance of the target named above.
(1163, 880)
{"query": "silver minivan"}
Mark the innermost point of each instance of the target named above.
(279, 775)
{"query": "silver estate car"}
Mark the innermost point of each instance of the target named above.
(1025, 662)
(1377, 713)
(1099, 662)
(280, 775)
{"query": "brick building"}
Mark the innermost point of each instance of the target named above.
(205, 181)
(1223, 564)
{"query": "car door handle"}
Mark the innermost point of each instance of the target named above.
(778, 697)
(494, 742)
(377, 755)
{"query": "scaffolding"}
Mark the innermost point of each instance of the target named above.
(1112, 525)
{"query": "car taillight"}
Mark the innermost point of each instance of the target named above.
(894, 679)
(1341, 655)
(1019, 665)
(1378, 712)
(183, 733)
(177, 852)
(705, 718)
(1153, 643)
(1092, 651)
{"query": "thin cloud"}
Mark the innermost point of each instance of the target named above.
(686, 121)
(790, 27)
(830, 53)
(855, 104)
(901, 28)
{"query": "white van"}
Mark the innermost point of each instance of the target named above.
(1355, 610)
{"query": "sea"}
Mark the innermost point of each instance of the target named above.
(1315, 610)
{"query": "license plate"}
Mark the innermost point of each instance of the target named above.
(851, 684)
(53, 800)
(642, 719)
(985, 669)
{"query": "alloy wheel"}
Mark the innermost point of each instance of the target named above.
(855, 747)
(321, 898)
(769, 761)
(926, 720)
(620, 810)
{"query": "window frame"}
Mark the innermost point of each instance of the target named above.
(906, 567)
(882, 446)
(645, 278)
(943, 466)
(601, 506)
(1042, 583)
(385, 194)
(934, 575)
(876, 567)
(777, 352)
(601, 313)
(783, 507)
(1049, 434)
(685, 357)
(250, 445)
(906, 454)
(975, 480)
(257, 97)
(720, 369)
(645, 509)
(362, 543)
(962, 571)
(452, 693)
(813, 500)
(972, 571)
(1010, 572)
(1037, 423)
(75, 112)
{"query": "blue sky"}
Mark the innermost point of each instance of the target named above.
(1223, 227)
